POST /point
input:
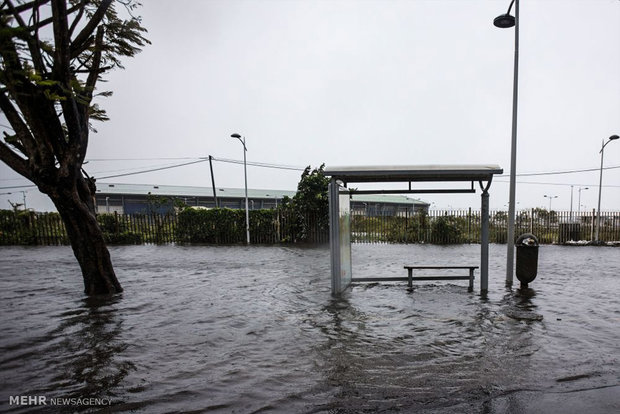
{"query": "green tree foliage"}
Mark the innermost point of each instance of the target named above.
(52, 55)
(447, 229)
(310, 205)
(311, 193)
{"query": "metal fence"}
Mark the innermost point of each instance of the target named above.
(270, 227)
(463, 226)
(266, 227)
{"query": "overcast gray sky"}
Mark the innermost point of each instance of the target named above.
(366, 83)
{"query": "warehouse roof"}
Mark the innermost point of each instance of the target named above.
(186, 191)
(190, 191)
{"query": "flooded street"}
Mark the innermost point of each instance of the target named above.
(254, 329)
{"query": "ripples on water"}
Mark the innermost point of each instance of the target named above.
(254, 329)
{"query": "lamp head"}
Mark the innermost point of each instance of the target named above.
(235, 136)
(611, 138)
(504, 21)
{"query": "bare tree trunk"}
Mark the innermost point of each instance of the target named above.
(77, 211)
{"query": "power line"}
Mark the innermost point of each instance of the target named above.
(144, 159)
(18, 186)
(560, 184)
(561, 172)
(200, 160)
(290, 167)
(135, 169)
(261, 164)
(152, 169)
(226, 160)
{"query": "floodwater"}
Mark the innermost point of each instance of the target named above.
(254, 329)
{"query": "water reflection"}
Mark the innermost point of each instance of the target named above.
(89, 348)
(435, 348)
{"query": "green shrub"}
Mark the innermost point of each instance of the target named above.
(218, 225)
(127, 237)
(446, 230)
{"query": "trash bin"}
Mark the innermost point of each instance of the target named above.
(527, 258)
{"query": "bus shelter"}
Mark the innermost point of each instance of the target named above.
(408, 176)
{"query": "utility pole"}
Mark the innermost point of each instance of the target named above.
(213, 181)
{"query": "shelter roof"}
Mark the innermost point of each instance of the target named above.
(404, 173)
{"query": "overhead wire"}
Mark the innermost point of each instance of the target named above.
(560, 172)
(198, 160)
(152, 169)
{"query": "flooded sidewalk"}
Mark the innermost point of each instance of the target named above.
(254, 329)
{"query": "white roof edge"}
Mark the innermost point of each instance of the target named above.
(415, 168)
(402, 173)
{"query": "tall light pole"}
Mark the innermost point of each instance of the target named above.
(550, 198)
(579, 206)
(245, 172)
(506, 21)
(600, 185)
(571, 203)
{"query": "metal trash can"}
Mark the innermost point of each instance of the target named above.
(527, 258)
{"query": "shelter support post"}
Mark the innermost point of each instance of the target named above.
(340, 236)
(484, 239)
(334, 235)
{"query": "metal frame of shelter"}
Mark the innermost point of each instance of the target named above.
(340, 211)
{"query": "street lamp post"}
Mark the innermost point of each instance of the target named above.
(245, 172)
(550, 198)
(600, 185)
(579, 206)
(506, 21)
(571, 204)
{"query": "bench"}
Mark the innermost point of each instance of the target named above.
(410, 278)
(470, 277)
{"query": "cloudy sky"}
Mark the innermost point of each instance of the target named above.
(365, 83)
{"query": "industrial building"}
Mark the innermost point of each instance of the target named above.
(148, 198)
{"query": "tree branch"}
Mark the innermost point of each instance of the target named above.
(27, 6)
(20, 127)
(95, 65)
(78, 17)
(18, 17)
(31, 40)
(35, 107)
(62, 74)
(14, 161)
(82, 39)
(49, 20)
(33, 43)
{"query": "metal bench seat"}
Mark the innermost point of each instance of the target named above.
(410, 278)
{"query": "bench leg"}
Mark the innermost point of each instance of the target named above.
(471, 280)
(410, 278)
